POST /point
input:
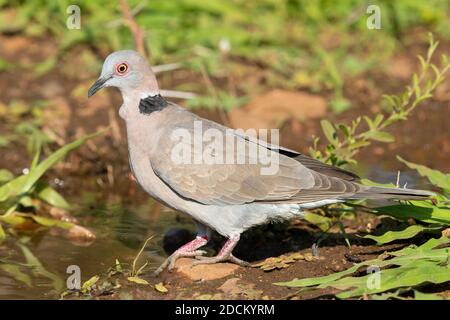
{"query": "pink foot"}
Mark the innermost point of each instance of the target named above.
(224, 254)
(188, 250)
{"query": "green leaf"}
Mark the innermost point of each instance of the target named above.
(388, 295)
(26, 201)
(345, 130)
(12, 219)
(24, 183)
(371, 183)
(407, 233)
(340, 105)
(380, 136)
(323, 223)
(49, 222)
(378, 119)
(137, 280)
(420, 210)
(87, 285)
(118, 266)
(359, 144)
(423, 272)
(51, 196)
(436, 177)
(37, 155)
(428, 263)
(2, 234)
(369, 122)
(427, 296)
(5, 175)
(329, 131)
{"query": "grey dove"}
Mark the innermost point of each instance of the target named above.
(226, 196)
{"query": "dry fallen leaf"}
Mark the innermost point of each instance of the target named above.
(281, 262)
(137, 280)
(160, 288)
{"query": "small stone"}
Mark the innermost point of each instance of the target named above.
(204, 271)
(81, 235)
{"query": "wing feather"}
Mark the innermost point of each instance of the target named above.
(298, 179)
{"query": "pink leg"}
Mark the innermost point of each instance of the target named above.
(224, 254)
(187, 250)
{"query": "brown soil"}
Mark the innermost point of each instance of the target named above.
(214, 282)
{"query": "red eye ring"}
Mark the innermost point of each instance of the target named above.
(122, 68)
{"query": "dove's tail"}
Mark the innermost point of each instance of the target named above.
(376, 193)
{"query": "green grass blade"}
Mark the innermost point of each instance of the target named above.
(24, 183)
(420, 210)
(436, 177)
(408, 267)
(407, 233)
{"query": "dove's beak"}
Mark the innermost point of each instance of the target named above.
(100, 83)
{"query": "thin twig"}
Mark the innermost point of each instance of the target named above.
(166, 67)
(177, 94)
(136, 31)
(213, 91)
(115, 127)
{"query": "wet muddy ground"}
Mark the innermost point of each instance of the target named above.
(96, 180)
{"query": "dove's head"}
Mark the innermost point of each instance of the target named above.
(128, 71)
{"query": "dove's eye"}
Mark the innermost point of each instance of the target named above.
(122, 68)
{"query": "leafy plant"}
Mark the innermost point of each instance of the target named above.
(135, 272)
(345, 141)
(27, 190)
(27, 124)
(407, 233)
(411, 267)
(432, 216)
(107, 282)
(437, 178)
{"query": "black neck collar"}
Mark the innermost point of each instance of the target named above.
(152, 104)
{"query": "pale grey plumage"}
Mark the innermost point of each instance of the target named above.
(228, 198)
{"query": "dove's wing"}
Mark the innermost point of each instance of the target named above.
(308, 162)
(243, 179)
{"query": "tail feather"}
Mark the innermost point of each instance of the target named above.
(376, 193)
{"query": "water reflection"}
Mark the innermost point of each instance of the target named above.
(120, 233)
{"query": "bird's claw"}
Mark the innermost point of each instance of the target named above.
(172, 259)
(220, 258)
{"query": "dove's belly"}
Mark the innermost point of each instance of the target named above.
(226, 220)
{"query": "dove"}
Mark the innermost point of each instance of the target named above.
(227, 180)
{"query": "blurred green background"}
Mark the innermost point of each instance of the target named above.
(304, 44)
